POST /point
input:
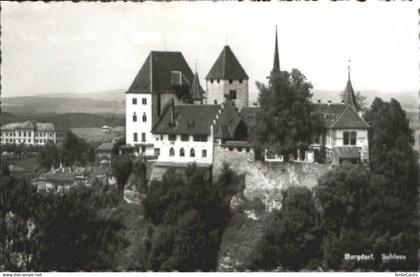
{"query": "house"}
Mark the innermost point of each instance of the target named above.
(187, 133)
(30, 133)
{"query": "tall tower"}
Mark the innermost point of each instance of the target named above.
(227, 80)
(276, 65)
(349, 97)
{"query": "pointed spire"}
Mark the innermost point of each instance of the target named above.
(197, 92)
(349, 97)
(276, 64)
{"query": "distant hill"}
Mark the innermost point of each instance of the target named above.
(66, 121)
(63, 104)
(408, 99)
(106, 95)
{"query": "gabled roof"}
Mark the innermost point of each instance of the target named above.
(349, 119)
(197, 92)
(156, 72)
(227, 67)
(189, 119)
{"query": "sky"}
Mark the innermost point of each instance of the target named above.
(85, 47)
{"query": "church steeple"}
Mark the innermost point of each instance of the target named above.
(275, 72)
(276, 64)
(349, 96)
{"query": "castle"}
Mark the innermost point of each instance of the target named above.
(171, 118)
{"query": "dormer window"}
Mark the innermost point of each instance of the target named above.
(176, 78)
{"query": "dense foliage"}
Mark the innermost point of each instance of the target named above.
(285, 123)
(43, 231)
(74, 151)
(188, 214)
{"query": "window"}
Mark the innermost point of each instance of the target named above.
(230, 148)
(176, 78)
(230, 81)
(240, 81)
(135, 136)
(200, 138)
(218, 81)
(316, 139)
(204, 153)
(144, 117)
(240, 149)
(247, 149)
(192, 152)
(144, 101)
(157, 151)
(143, 137)
(134, 117)
(171, 152)
(215, 101)
(172, 137)
(232, 94)
(181, 152)
(134, 101)
(211, 81)
(353, 138)
(349, 138)
(185, 137)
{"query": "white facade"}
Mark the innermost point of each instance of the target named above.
(193, 151)
(27, 137)
(217, 90)
(138, 122)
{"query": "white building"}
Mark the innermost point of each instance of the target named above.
(30, 133)
(163, 76)
(188, 133)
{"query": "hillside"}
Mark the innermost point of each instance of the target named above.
(106, 95)
(37, 104)
(67, 120)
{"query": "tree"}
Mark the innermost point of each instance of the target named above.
(121, 169)
(140, 174)
(285, 123)
(360, 100)
(76, 151)
(116, 146)
(49, 156)
(291, 236)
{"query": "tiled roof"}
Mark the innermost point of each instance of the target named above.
(197, 92)
(349, 97)
(189, 119)
(227, 122)
(349, 152)
(349, 119)
(156, 73)
(45, 127)
(106, 146)
(227, 67)
(338, 116)
(29, 125)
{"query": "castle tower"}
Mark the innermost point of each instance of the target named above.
(349, 97)
(197, 92)
(227, 79)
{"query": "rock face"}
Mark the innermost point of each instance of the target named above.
(263, 183)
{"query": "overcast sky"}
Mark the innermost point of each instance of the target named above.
(84, 47)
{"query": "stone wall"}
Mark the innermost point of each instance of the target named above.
(263, 180)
